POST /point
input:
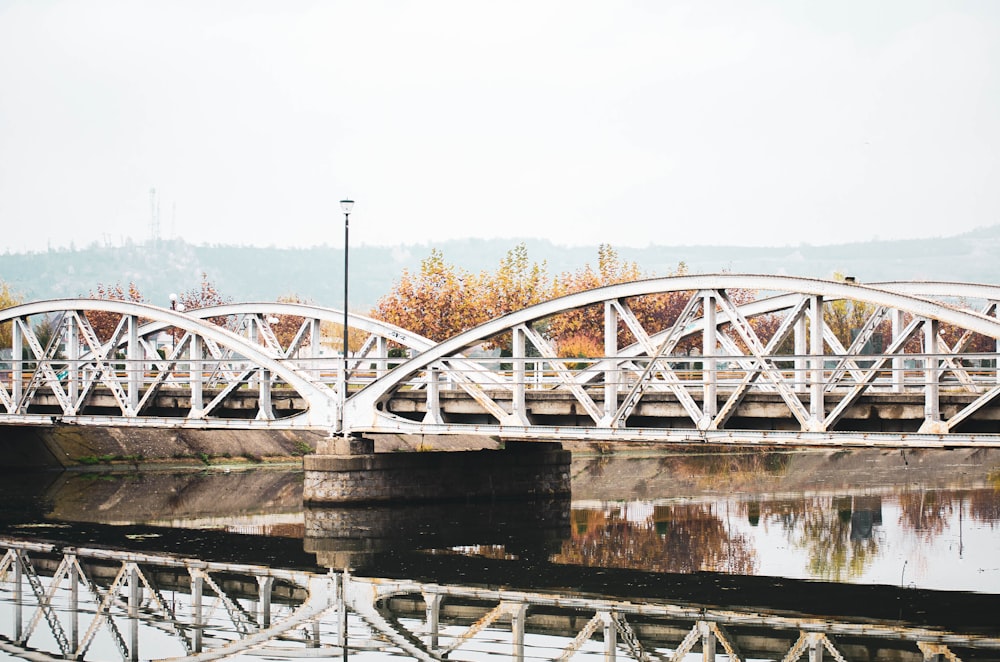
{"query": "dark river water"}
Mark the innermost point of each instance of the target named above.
(883, 555)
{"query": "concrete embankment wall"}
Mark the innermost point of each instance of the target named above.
(66, 446)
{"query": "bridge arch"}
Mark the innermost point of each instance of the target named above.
(134, 370)
(818, 386)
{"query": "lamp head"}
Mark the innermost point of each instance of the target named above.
(347, 205)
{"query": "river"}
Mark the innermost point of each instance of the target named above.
(773, 550)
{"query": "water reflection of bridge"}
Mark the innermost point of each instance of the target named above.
(87, 603)
(724, 368)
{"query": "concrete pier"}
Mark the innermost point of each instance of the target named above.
(353, 473)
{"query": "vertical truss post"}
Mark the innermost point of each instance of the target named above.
(197, 350)
(342, 638)
(707, 641)
(518, 354)
(432, 609)
(898, 362)
(815, 649)
(611, 372)
(18, 595)
(610, 636)
(264, 409)
(16, 362)
(314, 348)
(197, 589)
(264, 586)
(73, 356)
(74, 602)
(382, 356)
(816, 390)
(996, 360)
(252, 336)
(433, 415)
(133, 612)
(315, 641)
(133, 365)
(709, 365)
(801, 340)
(932, 370)
(517, 618)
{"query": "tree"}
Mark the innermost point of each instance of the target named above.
(438, 302)
(288, 326)
(517, 283)
(202, 296)
(8, 299)
(654, 312)
(103, 322)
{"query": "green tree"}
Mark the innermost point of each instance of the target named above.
(8, 299)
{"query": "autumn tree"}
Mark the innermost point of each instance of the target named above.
(103, 322)
(287, 326)
(517, 283)
(205, 294)
(437, 302)
(583, 329)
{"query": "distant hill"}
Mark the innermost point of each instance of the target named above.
(262, 274)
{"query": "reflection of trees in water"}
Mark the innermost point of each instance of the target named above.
(685, 538)
(926, 512)
(984, 505)
(838, 534)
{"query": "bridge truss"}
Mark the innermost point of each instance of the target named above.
(62, 603)
(721, 366)
(216, 367)
(726, 357)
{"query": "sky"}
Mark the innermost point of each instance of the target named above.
(632, 123)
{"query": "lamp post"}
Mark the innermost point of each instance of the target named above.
(173, 330)
(346, 206)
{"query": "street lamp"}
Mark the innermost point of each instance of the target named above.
(346, 206)
(178, 307)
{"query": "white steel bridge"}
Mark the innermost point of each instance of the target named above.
(753, 358)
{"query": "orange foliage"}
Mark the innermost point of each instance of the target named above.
(103, 322)
(655, 312)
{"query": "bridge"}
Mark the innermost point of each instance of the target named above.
(748, 358)
(83, 603)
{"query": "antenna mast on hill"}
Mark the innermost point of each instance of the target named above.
(154, 223)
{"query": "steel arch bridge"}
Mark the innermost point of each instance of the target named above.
(800, 371)
(217, 367)
(747, 364)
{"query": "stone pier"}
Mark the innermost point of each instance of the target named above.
(349, 471)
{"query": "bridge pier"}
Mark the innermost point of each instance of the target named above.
(348, 471)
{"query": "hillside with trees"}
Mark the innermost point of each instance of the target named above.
(248, 273)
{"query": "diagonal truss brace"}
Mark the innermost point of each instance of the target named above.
(752, 374)
(669, 342)
(871, 374)
(564, 373)
(665, 371)
(767, 370)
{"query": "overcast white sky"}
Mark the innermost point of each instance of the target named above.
(756, 123)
